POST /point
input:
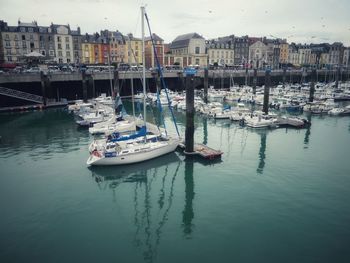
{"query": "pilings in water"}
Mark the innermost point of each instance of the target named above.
(284, 77)
(116, 89)
(45, 84)
(266, 92)
(337, 77)
(205, 96)
(312, 86)
(85, 88)
(255, 80)
(189, 133)
(91, 84)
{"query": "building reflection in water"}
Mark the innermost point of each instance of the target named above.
(152, 197)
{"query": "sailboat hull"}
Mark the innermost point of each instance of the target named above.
(149, 151)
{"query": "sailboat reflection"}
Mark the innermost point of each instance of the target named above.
(152, 197)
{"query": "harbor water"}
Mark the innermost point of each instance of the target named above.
(276, 196)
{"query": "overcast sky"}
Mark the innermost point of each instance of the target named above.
(301, 21)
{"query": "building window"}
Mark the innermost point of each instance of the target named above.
(58, 39)
(23, 37)
(24, 44)
(30, 29)
(9, 58)
(7, 36)
(22, 29)
(197, 61)
(60, 53)
(67, 54)
(51, 53)
(67, 46)
(8, 44)
(67, 39)
(59, 46)
(50, 38)
(31, 37)
(43, 52)
(8, 52)
(197, 50)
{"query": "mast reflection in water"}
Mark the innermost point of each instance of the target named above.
(153, 194)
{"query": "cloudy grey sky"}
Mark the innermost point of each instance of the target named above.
(302, 21)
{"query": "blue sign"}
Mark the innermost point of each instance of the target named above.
(190, 71)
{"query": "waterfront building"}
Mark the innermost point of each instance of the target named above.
(284, 52)
(316, 57)
(17, 41)
(77, 45)
(258, 53)
(134, 50)
(220, 51)
(88, 51)
(273, 52)
(304, 55)
(63, 42)
(150, 60)
(324, 60)
(241, 50)
(346, 57)
(117, 46)
(46, 43)
(187, 49)
(336, 52)
(2, 59)
(293, 54)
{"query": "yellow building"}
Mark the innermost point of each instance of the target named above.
(117, 45)
(284, 52)
(87, 53)
(134, 47)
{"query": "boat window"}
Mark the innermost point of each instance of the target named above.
(125, 151)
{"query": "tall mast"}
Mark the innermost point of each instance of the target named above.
(143, 63)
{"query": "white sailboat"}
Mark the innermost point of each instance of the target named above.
(133, 151)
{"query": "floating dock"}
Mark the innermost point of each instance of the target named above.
(203, 151)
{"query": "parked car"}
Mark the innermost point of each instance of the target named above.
(33, 70)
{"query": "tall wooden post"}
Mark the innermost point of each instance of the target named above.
(43, 87)
(266, 91)
(84, 81)
(312, 86)
(284, 77)
(189, 140)
(116, 90)
(205, 97)
(246, 76)
(255, 80)
(337, 77)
